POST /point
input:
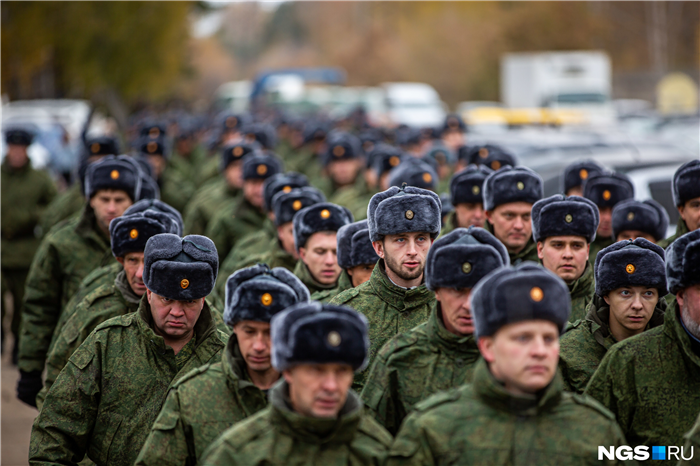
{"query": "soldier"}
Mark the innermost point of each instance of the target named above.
(564, 227)
(313, 416)
(414, 173)
(493, 157)
(383, 158)
(246, 214)
(515, 409)
(403, 222)
(26, 193)
(453, 129)
(606, 190)
(651, 382)
(466, 195)
(189, 158)
(315, 239)
(342, 162)
(439, 354)
(356, 258)
(65, 256)
(307, 157)
(625, 304)
(105, 400)
(212, 398)
(175, 189)
(441, 158)
(686, 195)
(575, 176)
(634, 219)
(509, 194)
(129, 234)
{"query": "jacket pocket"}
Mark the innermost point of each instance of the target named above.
(106, 427)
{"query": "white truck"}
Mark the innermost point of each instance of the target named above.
(413, 104)
(580, 81)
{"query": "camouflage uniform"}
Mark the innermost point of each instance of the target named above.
(482, 423)
(25, 194)
(692, 440)
(355, 197)
(278, 435)
(64, 206)
(598, 245)
(106, 398)
(389, 309)
(175, 189)
(450, 224)
(202, 405)
(651, 382)
(66, 256)
(584, 345)
(254, 243)
(303, 274)
(414, 365)
(205, 203)
(581, 291)
(681, 229)
(344, 283)
(232, 223)
(193, 167)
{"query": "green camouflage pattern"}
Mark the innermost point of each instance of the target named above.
(482, 423)
(582, 347)
(175, 189)
(105, 400)
(205, 203)
(200, 406)
(65, 205)
(66, 256)
(255, 243)
(302, 273)
(355, 197)
(581, 292)
(450, 224)
(389, 309)
(692, 441)
(196, 167)
(325, 296)
(414, 365)
(681, 229)
(232, 222)
(278, 435)
(651, 382)
(26, 193)
(597, 245)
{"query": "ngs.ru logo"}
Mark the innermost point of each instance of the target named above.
(641, 453)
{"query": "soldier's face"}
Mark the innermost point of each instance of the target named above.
(133, 268)
(469, 214)
(285, 233)
(566, 256)
(360, 273)
(319, 390)
(16, 155)
(109, 204)
(630, 309)
(523, 355)
(689, 303)
(254, 343)
(320, 256)
(174, 320)
(575, 191)
(253, 192)
(605, 225)
(512, 225)
(404, 254)
(690, 213)
(344, 172)
(234, 174)
(456, 310)
(158, 163)
(633, 234)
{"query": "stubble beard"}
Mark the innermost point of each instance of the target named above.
(395, 267)
(690, 325)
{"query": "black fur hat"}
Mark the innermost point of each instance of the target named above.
(648, 216)
(686, 182)
(323, 216)
(414, 172)
(354, 245)
(260, 166)
(152, 129)
(514, 294)
(102, 145)
(233, 121)
(403, 210)
(630, 263)
(315, 131)
(607, 189)
(509, 184)
(180, 268)
(262, 133)
(287, 204)
(234, 152)
(129, 233)
(342, 146)
(453, 122)
(149, 187)
(257, 293)
(494, 157)
(683, 262)
(439, 154)
(463, 257)
(407, 136)
(281, 182)
(143, 205)
(110, 172)
(18, 136)
(155, 146)
(561, 215)
(577, 173)
(466, 186)
(384, 157)
(315, 333)
(447, 207)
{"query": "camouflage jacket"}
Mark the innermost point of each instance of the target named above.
(450, 224)
(414, 365)
(66, 205)
(482, 423)
(581, 292)
(205, 203)
(175, 189)
(195, 167)
(66, 256)
(234, 221)
(107, 301)
(355, 197)
(200, 406)
(25, 195)
(651, 382)
(278, 435)
(599, 244)
(389, 309)
(681, 229)
(692, 441)
(344, 283)
(302, 272)
(253, 244)
(105, 400)
(584, 345)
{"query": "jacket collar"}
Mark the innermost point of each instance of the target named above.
(394, 295)
(446, 340)
(88, 229)
(122, 284)
(302, 272)
(583, 286)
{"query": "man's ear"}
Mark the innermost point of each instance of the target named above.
(485, 345)
(287, 376)
(607, 300)
(302, 254)
(488, 214)
(680, 298)
(540, 249)
(378, 248)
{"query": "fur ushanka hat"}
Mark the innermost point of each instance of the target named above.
(630, 263)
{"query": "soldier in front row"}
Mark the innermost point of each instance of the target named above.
(212, 398)
(105, 400)
(439, 354)
(515, 409)
(313, 417)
